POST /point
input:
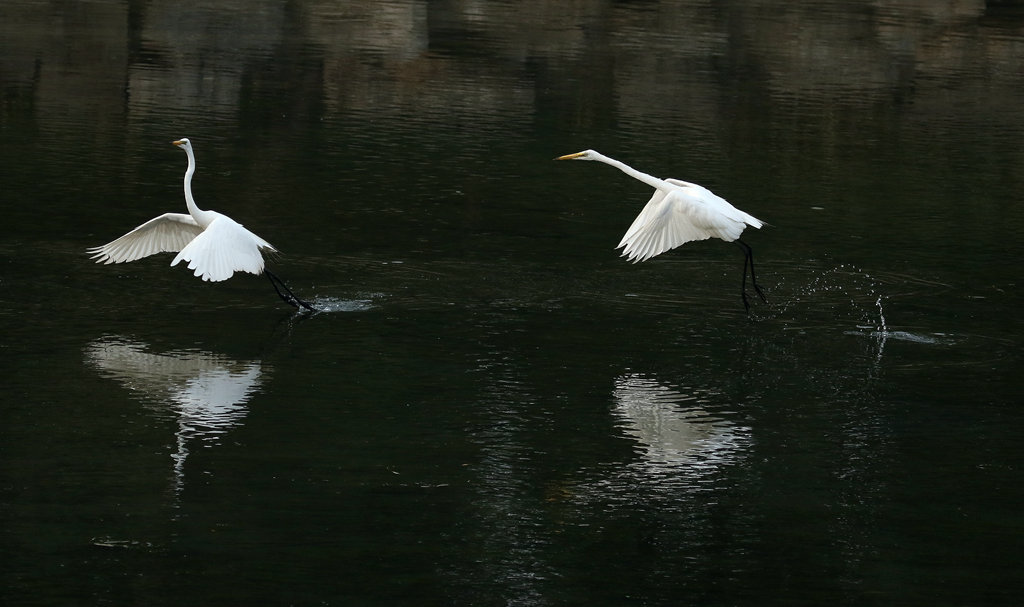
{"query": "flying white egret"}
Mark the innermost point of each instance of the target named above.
(680, 212)
(213, 244)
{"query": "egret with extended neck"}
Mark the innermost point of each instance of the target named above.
(678, 212)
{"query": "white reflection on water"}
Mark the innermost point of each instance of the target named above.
(206, 392)
(674, 432)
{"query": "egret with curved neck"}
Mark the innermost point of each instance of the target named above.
(203, 218)
(678, 212)
(214, 245)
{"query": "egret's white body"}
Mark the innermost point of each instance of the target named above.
(677, 213)
(213, 244)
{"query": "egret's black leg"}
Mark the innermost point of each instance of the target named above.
(748, 261)
(743, 285)
(278, 291)
(753, 275)
(287, 296)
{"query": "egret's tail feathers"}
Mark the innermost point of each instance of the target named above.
(753, 222)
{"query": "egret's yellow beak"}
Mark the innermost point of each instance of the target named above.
(178, 142)
(570, 156)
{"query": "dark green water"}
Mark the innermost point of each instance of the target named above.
(496, 409)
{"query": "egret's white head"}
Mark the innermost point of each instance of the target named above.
(183, 143)
(584, 155)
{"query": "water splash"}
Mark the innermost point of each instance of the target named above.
(848, 298)
(843, 293)
(882, 333)
(881, 315)
(333, 304)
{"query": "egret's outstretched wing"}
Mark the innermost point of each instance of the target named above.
(688, 213)
(225, 247)
(665, 223)
(168, 233)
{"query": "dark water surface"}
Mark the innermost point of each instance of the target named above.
(494, 408)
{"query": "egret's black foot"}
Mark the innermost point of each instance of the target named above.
(287, 295)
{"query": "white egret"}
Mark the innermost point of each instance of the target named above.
(213, 244)
(680, 212)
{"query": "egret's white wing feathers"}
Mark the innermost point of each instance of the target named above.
(168, 233)
(665, 223)
(685, 213)
(223, 248)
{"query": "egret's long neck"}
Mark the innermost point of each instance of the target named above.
(650, 180)
(193, 210)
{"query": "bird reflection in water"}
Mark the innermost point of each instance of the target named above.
(207, 393)
(675, 434)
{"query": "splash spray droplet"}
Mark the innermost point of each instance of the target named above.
(881, 316)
